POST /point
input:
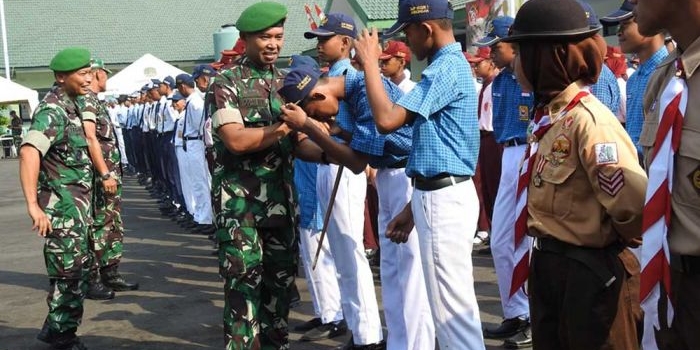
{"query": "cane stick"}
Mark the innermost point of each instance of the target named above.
(327, 217)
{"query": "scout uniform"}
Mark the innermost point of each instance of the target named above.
(584, 191)
(254, 200)
(65, 195)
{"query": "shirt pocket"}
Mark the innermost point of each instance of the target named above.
(558, 189)
(686, 184)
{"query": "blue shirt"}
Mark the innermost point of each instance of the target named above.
(445, 125)
(310, 216)
(511, 108)
(343, 119)
(385, 150)
(607, 90)
(636, 84)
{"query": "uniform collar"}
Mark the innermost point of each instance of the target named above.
(691, 58)
(562, 100)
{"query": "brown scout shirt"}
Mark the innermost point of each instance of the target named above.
(684, 233)
(591, 191)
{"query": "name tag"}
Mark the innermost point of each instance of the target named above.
(253, 102)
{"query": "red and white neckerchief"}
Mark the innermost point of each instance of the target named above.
(656, 267)
(540, 125)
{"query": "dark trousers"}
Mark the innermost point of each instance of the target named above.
(572, 309)
(128, 147)
(683, 334)
(371, 231)
(486, 178)
(139, 145)
(150, 150)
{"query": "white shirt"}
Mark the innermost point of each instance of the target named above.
(406, 84)
(194, 114)
(622, 113)
(486, 118)
(179, 124)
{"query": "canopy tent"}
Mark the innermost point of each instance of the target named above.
(11, 92)
(134, 76)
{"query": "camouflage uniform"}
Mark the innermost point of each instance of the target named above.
(254, 207)
(107, 231)
(64, 193)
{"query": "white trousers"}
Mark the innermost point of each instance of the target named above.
(122, 150)
(404, 295)
(345, 237)
(322, 282)
(185, 179)
(199, 179)
(503, 233)
(445, 221)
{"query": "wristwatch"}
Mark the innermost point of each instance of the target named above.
(107, 176)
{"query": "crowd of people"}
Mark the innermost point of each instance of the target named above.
(541, 146)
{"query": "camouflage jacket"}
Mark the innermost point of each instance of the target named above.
(94, 110)
(65, 176)
(254, 189)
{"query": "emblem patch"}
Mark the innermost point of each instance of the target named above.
(611, 184)
(524, 111)
(606, 153)
(561, 147)
(568, 122)
(695, 179)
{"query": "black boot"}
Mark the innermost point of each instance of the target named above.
(97, 290)
(45, 334)
(113, 279)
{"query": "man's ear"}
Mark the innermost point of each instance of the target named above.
(427, 27)
(317, 96)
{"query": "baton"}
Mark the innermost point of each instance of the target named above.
(327, 217)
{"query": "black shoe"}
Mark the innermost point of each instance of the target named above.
(75, 344)
(351, 346)
(113, 279)
(520, 340)
(484, 251)
(326, 331)
(309, 325)
(45, 334)
(508, 328)
(99, 291)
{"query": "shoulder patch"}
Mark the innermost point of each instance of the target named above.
(606, 153)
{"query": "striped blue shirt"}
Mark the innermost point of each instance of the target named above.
(607, 90)
(636, 84)
(385, 150)
(343, 119)
(445, 125)
(310, 216)
(511, 108)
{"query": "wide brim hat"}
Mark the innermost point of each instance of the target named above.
(551, 20)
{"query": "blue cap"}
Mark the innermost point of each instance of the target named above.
(203, 69)
(156, 82)
(334, 24)
(170, 81)
(177, 96)
(297, 61)
(416, 11)
(184, 78)
(590, 14)
(496, 30)
(619, 15)
(298, 84)
(144, 88)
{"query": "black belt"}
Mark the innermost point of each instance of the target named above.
(590, 257)
(399, 165)
(190, 138)
(438, 182)
(688, 264)
(485, 132)
(514, 142)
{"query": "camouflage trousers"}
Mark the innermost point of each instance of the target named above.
(107, 233)
(67, 265)
(258, 265)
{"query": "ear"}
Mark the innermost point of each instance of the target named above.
(317, 96)
(427, 28)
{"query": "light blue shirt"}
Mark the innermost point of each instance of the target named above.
(310, 215)
(445, 125)
(343, 119)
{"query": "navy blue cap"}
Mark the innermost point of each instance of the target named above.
(416, 11)
(619, 15)
(177, 96)
(334, 24)
(156, 82)
(170, 81)
(145, 88)
(496, 30)
(298, 84)
(297, 61)
(590, 14)
(203, 69)
(184, 78)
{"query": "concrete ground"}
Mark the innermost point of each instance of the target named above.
(180, 302)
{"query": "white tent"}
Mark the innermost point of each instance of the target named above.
(134, 76)
(11, 92)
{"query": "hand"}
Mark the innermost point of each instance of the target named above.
(294, 116)
(110, 185)
(367, 47)
(401, 226)
(40, 221)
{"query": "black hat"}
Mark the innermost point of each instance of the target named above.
(551, 20)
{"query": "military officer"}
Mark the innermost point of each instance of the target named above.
(57, 175)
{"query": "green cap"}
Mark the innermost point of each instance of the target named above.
(70, 59)
(98, 63)
(261, 15)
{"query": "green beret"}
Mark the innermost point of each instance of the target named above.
(261, 15)
(70, 59)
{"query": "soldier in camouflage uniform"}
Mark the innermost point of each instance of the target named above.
(252, 186)
(107, 232)
(55, 154)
